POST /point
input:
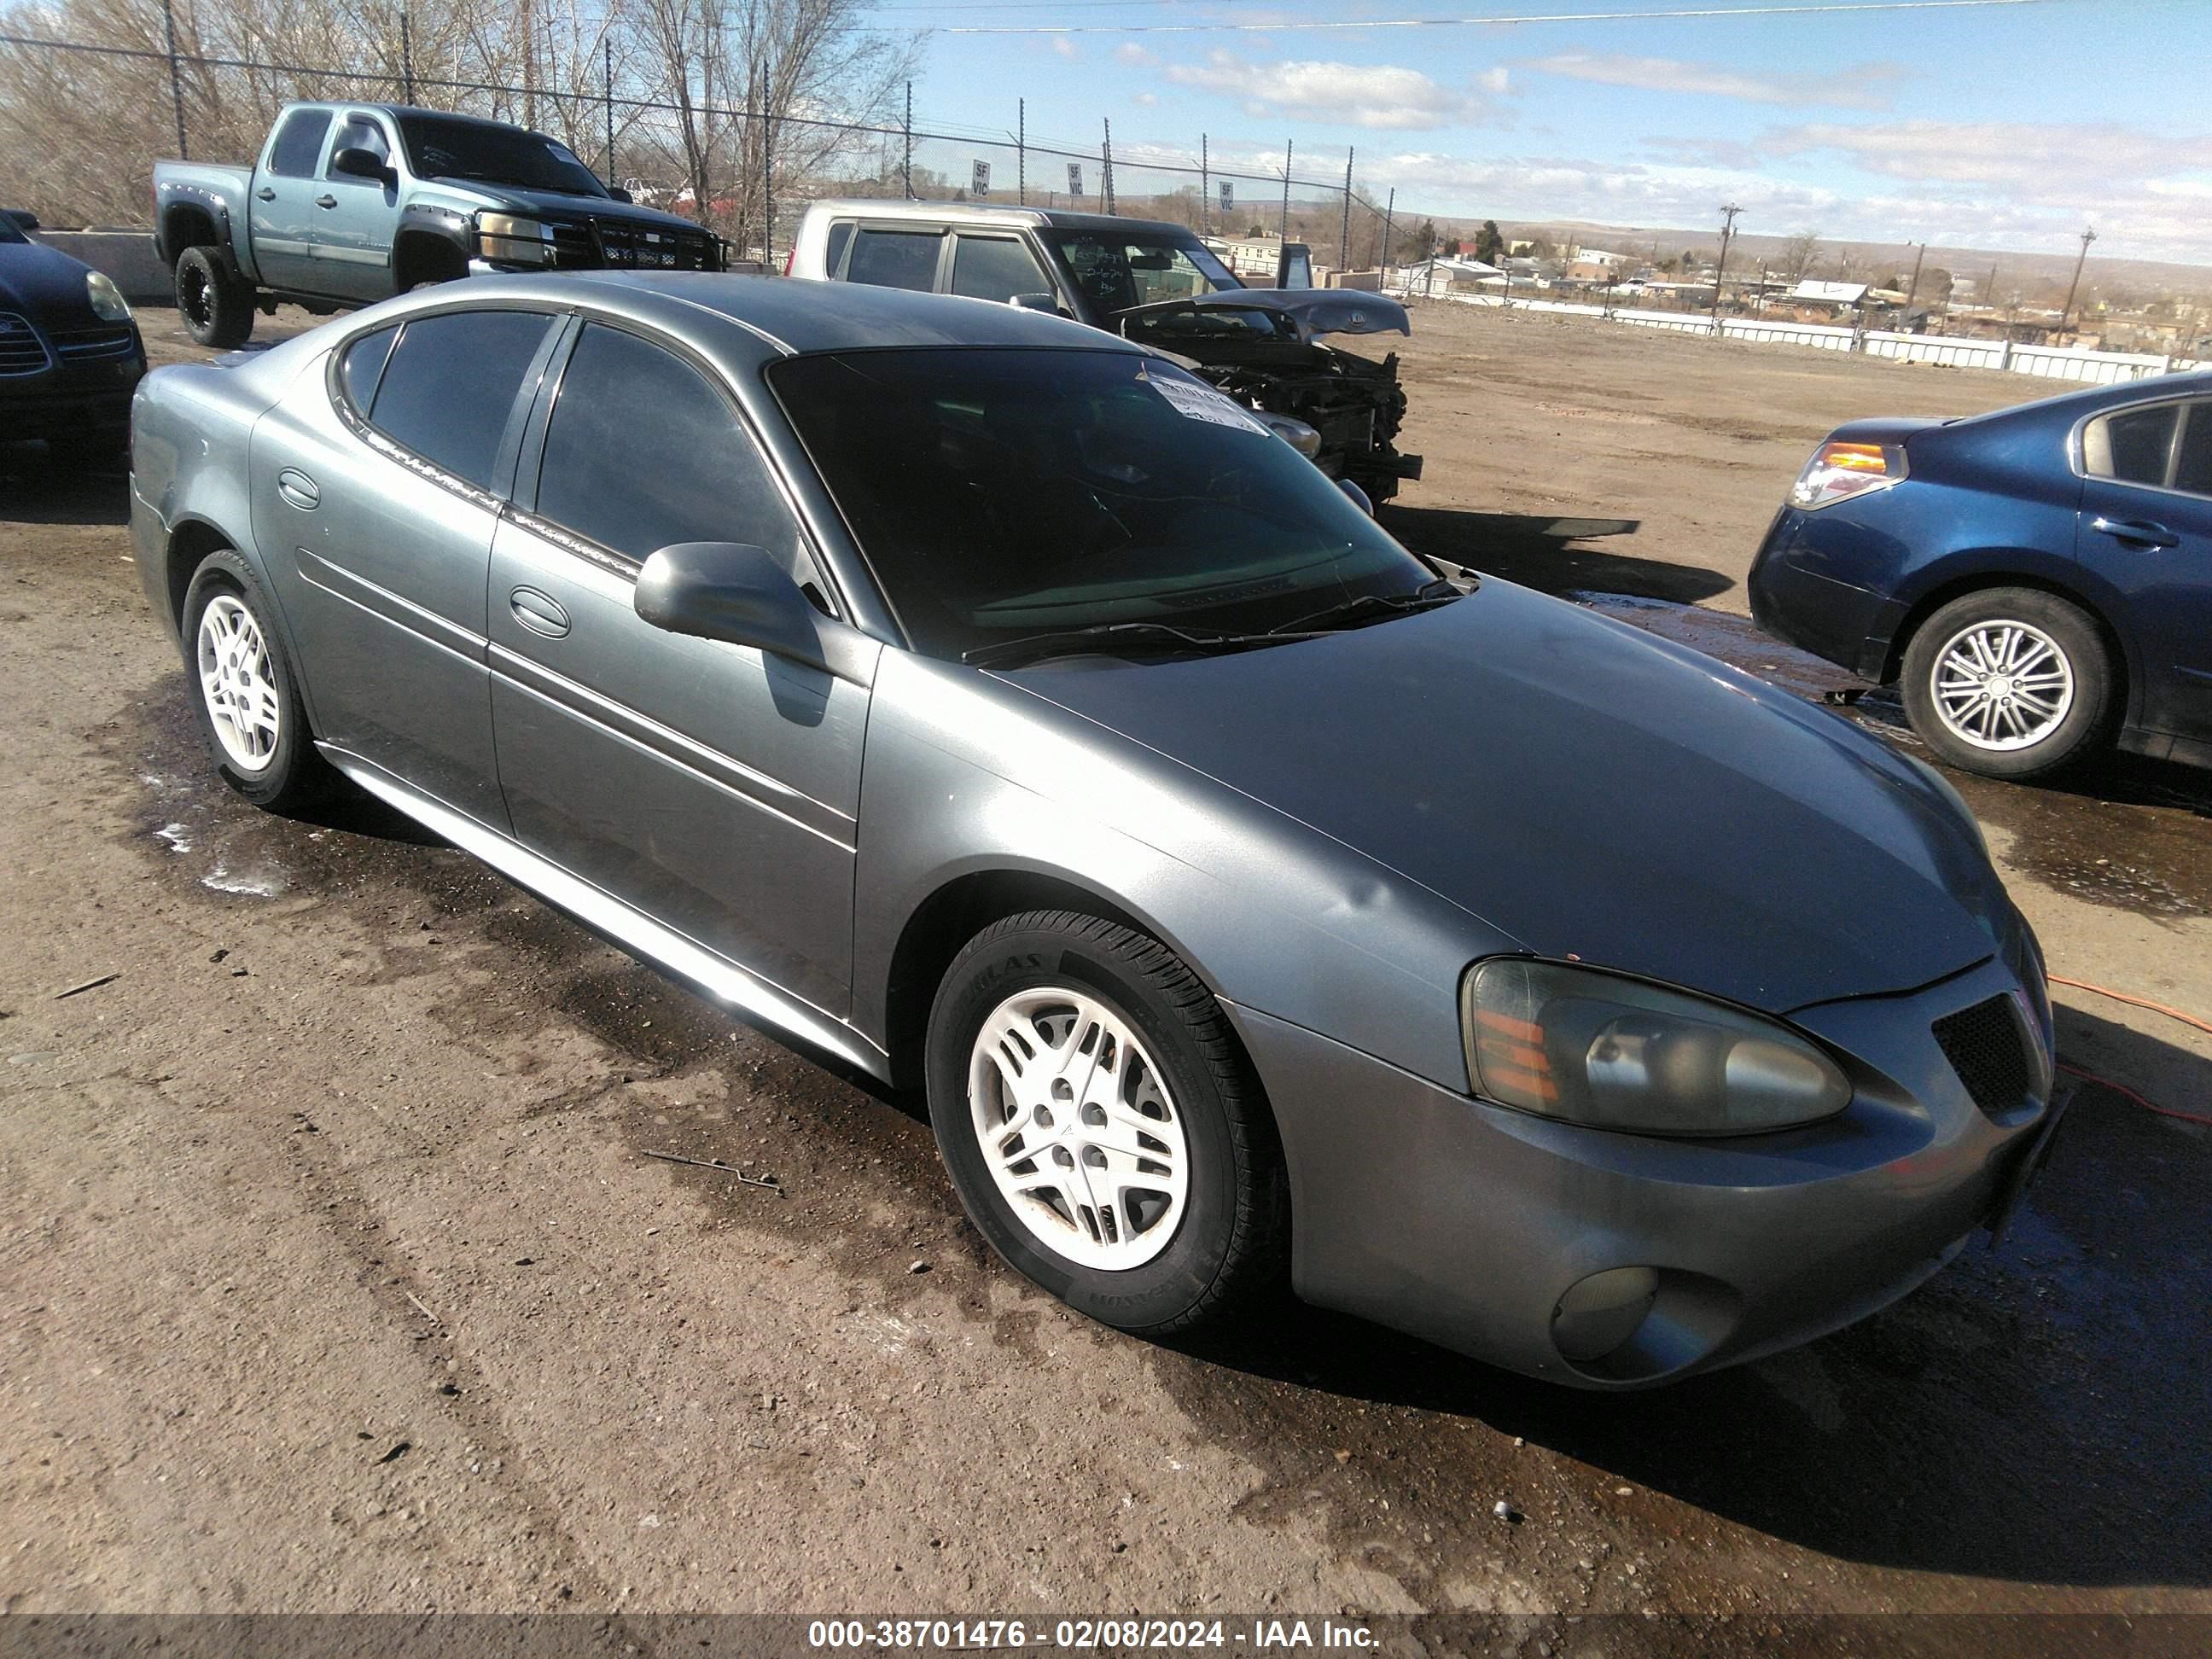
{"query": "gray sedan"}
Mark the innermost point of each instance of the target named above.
(988, 703)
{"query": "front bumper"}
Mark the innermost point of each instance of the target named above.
(1467, 1223)
(71, 400)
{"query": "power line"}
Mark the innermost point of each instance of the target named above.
(1816, 8)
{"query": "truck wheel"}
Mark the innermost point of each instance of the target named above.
(216, 306)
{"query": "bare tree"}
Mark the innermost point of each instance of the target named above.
(1798, 253)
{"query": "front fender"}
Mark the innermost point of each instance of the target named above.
(968, 772)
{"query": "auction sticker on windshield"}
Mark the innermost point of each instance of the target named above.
(1199, 402)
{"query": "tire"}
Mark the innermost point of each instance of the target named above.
(231, 638)
(2061, 684)
(1207, 1238)
(215, 303)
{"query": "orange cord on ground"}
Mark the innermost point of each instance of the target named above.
(2121, 1088)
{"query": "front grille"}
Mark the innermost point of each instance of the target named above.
(86, 344)
(20, 351)
(614, 245)
(1987, 1050)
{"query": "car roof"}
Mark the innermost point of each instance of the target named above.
(993, 213)
(2072, 405)
(791, 315)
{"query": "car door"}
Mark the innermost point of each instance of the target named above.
(2146, 529)
(283, 214)
(356, 216)
(375, 505)
(713, 786)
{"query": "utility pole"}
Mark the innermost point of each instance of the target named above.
(1344, 235)
(1912, 293)
(906, 166)
(1106, 168)
(407, 59)
(1389, 217)
(613, 176)
(2087, 237)
(176, 78)
(1720, 266)
(1283, 233)
(1021, 152)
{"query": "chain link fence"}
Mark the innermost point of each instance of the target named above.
(108, 111)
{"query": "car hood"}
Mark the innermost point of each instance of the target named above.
(553, 203)
(1587, 788)
(1313, 312)
(43, 284)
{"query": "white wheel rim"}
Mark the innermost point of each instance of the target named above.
(2002, 685)
(1079, 1129)
(238, 685)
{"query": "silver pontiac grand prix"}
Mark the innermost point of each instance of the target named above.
(989, 702)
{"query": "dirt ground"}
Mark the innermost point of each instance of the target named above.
(334, 1274)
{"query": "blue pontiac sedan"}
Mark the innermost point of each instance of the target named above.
(2038, 580)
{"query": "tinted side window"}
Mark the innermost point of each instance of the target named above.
(995, 268)
(643, 453)
(2135, 445)
(2192, 464)
(833, 252)
(359, 133)
(363, 365)
(895, 259)
(299, 143)
(450, 385)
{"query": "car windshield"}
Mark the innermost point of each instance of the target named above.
(1118, 271)
(442, 147)
(1000, 493)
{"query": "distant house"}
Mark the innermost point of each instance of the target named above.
(1439, 276)
(1835, 294)
(1595, 264)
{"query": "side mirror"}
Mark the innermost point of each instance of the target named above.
(731, 592)
(357, 163)
(1357, 495)
(620, 194)
(25, 220)
(1044, 302)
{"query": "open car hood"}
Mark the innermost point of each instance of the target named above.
(1310, 312)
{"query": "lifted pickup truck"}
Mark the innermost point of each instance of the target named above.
(350, 204)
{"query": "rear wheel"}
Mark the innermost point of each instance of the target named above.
(244, 690)
(1101, 1125)
(2010, 682)
(214, 302)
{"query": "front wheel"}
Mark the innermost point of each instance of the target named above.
(1101, 1125)
(215, 303)
(244, 690)
(2009, 682)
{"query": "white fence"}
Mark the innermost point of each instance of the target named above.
(2050, 363)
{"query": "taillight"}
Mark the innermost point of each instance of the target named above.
(791, 256)
(1838, 471)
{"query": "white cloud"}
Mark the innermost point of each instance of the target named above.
(1495, 82)
(1130, 53)
(1147, 99)
(1866, 87)
(1357, 94)
(1065, 47)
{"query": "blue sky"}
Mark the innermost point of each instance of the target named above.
(2002, 126)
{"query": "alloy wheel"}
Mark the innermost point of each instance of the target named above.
(2002, 685)
(238, 683)
(1079, 1129)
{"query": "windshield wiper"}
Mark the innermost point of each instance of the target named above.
(1426, 597)
(1104, 635)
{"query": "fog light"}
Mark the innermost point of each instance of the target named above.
(1600, 1313)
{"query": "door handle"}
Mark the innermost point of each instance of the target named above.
(541, 613)
(266, 193)
(297, 488)
(2139, 533)
(326, 200)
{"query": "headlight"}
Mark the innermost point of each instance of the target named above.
(1615, 1053)
(510, 238)
(1838, 471)
(107, 301)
